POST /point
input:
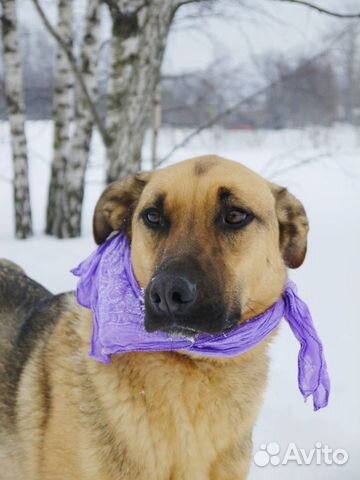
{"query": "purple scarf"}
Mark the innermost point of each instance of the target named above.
(109, 288)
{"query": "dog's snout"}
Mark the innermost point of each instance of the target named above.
(174, 295)
(183, 298)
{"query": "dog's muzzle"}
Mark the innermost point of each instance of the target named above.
(185, 302)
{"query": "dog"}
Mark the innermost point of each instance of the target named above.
(206, 225)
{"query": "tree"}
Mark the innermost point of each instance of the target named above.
(138, 38)
(64, 214)
(310, 96)
(63, 108)
(16, 113)
(351, 72)
(139, 33)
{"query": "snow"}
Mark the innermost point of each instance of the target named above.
(328, 185)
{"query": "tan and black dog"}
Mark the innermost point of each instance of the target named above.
(206, 225)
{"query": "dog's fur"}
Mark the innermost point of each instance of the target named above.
(147, 416)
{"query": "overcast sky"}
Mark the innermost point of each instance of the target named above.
(241, 31)
(273, 26)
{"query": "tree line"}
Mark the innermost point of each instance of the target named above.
(139, 32)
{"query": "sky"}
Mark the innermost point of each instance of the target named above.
(244, 30)
(237, 32)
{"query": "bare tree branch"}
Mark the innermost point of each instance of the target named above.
(300, 163)
(224, 113)
(212, 121)
(179, 3)
(78, 75)
(323, 10)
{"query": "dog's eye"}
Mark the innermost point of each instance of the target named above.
(153, 218)
(236, 218)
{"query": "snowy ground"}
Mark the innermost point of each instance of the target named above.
(328, 184)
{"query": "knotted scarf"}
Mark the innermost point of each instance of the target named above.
(107, 285)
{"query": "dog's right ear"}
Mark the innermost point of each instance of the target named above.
(115, 207)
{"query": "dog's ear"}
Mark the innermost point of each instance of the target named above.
(115, 207)
(293, 226)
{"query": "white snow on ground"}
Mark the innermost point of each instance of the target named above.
(329, 280)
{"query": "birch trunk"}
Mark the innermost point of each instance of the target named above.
(156, 125)
(63, 107)
(16, 115)
(140, 32)
(71, 188)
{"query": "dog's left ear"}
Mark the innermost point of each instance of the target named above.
(115, 207)
(293, 226)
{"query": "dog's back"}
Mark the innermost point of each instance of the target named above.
(27, 312)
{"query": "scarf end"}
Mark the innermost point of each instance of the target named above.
(320, 397)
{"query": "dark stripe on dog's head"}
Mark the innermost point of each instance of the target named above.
(203, 165)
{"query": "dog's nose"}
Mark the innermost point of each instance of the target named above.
(172, 294)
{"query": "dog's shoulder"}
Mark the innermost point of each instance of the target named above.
(28, 315)
(21, 301)
(16, 287)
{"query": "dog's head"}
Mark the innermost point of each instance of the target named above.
(210, 241)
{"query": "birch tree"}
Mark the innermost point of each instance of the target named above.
(139, 35)
(80, 145)
(65, 217)
(156, 125)
(63, 108)
(13, 84)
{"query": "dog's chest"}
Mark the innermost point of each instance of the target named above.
(176, 416)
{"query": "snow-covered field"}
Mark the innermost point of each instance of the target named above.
(328, 183)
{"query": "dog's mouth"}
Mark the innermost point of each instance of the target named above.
(178, 331)
(189, 332)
